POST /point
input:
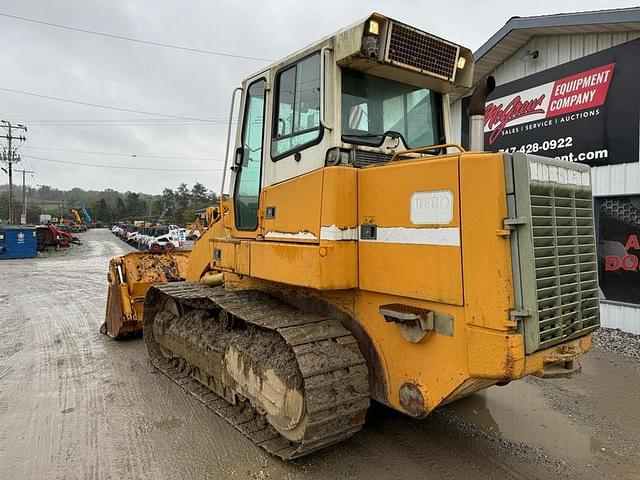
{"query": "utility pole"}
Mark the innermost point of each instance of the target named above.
(24, 195)
(9, 157)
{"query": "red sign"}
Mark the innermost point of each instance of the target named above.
(580, 91)
(627, 262)
(577, 92)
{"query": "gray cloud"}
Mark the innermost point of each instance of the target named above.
(88, 68)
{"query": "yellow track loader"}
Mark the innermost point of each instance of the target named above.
(363, 256)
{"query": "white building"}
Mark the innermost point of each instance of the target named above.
(545, 57)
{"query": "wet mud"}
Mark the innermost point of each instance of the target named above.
(75, 404)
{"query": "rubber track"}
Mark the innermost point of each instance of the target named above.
(334, 372)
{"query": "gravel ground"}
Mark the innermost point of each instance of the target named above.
(615, 340)
(75, 404)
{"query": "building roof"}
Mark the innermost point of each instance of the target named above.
(518, 31)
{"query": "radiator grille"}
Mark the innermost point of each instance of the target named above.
(364, 158)
(566, 269)
(553, 249)
(411, 48)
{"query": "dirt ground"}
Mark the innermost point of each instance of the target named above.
(77, 405)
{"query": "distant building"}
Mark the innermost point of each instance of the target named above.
(568, 86)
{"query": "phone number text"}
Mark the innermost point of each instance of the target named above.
(564, 142)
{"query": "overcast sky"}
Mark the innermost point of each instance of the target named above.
(77, 66)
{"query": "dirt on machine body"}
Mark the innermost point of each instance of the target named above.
(359, 256)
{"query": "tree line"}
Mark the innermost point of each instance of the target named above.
(108, 206)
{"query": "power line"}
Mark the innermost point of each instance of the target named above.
(115, 120)
(97, 105)
(130, 39)
(25, 119)
(146, 122)
(82, 164)
(129, 155)
(145, 125)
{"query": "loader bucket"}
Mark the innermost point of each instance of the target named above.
(130, 276)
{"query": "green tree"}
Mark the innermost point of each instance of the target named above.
(199, 194)
(133, 204)
(101, 210)
(183, 196)
(121, 209)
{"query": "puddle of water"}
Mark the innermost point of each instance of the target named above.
(518, 412)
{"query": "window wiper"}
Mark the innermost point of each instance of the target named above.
(365, 135)
(388, 133)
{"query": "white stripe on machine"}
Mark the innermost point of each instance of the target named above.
(336, 233)
(449, 236)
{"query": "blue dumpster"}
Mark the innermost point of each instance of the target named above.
(17, 242)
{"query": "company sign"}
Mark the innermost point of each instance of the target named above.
(619, 248)
(583, 111)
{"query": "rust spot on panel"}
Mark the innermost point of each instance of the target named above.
(411, 399)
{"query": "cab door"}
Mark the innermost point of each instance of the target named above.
(249, 161)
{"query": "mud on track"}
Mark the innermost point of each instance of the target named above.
(75, 404)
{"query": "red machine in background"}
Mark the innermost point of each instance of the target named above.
(51, 236)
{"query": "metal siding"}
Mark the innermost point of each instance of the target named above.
(590, 43)
(564, 49)
(618, 38)
(557, 49)
(626, 318)
(577, 46)
(552, 52)
(621, 179)
(604, 41)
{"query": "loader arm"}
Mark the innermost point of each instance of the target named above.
(130, 276)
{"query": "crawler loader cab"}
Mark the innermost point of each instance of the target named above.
(356, 98)
(363, 255)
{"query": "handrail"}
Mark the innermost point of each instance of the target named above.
(323, 124)
(427, 149)
(226, 153)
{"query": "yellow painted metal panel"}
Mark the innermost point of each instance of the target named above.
(419, 270)
(297, 205)
(495, 355)
(227, 249)
(243, 252)
(201, 259)
(384, 192)
(426, 272)
(437, 364)
(486, 251)
(324, 267)
(340, 197)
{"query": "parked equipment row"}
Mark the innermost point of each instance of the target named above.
(159, 238)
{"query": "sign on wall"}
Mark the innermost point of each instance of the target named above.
(583, 111)
(619, 248)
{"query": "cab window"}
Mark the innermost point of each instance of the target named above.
(297, 113)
